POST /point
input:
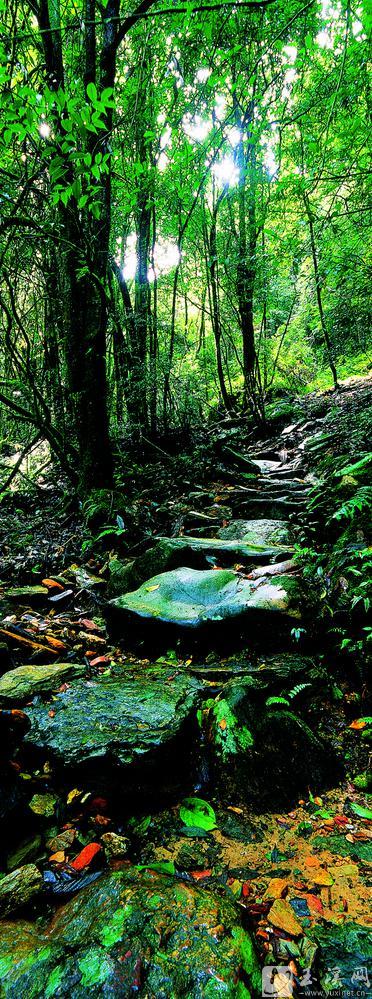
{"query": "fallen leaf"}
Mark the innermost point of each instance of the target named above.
(52, 584)
(85, 857)
(72, 795)
(99, 659)
(51, 714)
(282, 916)
(58, 858)
(150, 589)
(199, 875)
(223, 724)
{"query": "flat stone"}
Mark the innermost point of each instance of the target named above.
(44, 805)
(259, 532)
(24, 682)
(133, 931)
(19, 888)
(112, 722)
(189, 598)
(344, 948)
(282, 916)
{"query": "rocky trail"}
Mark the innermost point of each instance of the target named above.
(176, 817)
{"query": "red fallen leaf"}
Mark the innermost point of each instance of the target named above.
(101, 820)
(198, 875)
(85, 857)
(99, 659)
(52, 584)
(246, 890)
(263, 934)
(342, 820)
(358, 724)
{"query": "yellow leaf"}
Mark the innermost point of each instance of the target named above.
(150, 589)
(72, 795)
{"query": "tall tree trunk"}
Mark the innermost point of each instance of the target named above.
(318, 288)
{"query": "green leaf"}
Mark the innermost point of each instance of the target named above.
(164, 866)
(363, 813)
(92, 92)
(196, 812)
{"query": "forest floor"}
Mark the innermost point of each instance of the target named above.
(165, 800)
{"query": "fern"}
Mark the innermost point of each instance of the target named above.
(357, 467)
(361, 502)
(297, 690)
(276, 700)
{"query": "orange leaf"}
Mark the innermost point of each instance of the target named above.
(52, 584)
(223, 724)
(58, 858)
(358, 723)
(198, 875)
(312, 861)
(55, 642)
(99, 659)
(85, 857)
(51, 714)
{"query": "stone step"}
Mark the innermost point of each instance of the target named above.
(191, 598)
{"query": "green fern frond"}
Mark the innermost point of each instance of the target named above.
(276, 700)
(361, 502)
(297, 690)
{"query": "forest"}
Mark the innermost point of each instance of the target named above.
(185, 499)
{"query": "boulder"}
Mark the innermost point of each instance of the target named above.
(197, 553)
(21, 684)
(19, 888)
(133, 932)
(258, 532)
(261, 755)
(189, 598)
(27, 594)
(345, 958)
(112, 722)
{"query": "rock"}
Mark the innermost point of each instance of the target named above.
(115, 846)
(24, 682)
(344, 948)
(27, 594)
(189, 598)
(133, 932)
(260, 755)
(282, 916)
(195, 552)
(276, 888)
(44, 805)
(259, 532)
(112, 722)
(19, 888)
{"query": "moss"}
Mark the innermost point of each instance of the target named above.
(113, 930)
(94, 968)
(229, 736)
(53, 982)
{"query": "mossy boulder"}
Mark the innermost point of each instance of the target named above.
(111, 724)
(197, 553)
(189, 598)
(133, 932)
(263, 755)
(258, 532)
(21, 684)
(344, 948)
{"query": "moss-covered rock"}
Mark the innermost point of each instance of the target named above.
(198, 553)
(111, 722)
(19, 888)
(262, 755)
(133, 932)
(20, 684)
(258, 532)
(189, 598)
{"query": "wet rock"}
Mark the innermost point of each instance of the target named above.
(113, 723)
(345, 954)
(63, 841)
(260, 755)
(259, 532)
(21, 684)
(133, 932)
(197, 553)
(19, 888)
(189, 598)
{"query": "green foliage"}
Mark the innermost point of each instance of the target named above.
(197, 813)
